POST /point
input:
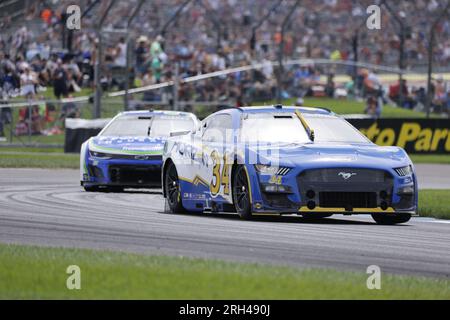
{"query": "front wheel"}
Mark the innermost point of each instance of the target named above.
(91, 188)
(241, 193)
(172, 187)
(390, 219)
(117, 189)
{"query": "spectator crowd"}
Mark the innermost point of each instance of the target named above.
(40, 54)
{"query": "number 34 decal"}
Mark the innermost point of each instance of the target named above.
(220, 177)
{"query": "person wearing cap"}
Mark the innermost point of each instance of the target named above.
(142, 54)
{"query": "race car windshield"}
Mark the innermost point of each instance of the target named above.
(333, 129)
(163, 126)
(270, 128)
(153, 126)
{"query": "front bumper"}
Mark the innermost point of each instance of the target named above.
(122, 172)
(375, 191)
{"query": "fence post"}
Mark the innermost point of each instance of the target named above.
(11, 127)
(98, 63)
(176, 85)
(128, 54)
(127, 73)
(281, 50)
(30, 121)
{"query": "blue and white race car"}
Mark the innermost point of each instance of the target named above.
(286, 160)
(128, 151)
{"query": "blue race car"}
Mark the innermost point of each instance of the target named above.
(128, 151)
(286, 160)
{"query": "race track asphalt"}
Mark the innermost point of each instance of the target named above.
(48, 207)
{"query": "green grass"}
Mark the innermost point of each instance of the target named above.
(30, 149)
(343, 106)
(55, 140)
(40, 273)
(48, 94)
(430, 158)
(39, 160)
(434, 203)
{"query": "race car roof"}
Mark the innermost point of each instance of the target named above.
(278, 108)
(155, 112)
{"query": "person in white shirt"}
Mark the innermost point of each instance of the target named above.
(27, 83)
(121, 56)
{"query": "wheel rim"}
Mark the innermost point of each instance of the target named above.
(172, 186)
(241, 190)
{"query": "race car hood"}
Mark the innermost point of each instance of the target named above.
(336, 155)
(127, 145)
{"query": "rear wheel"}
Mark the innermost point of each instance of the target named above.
(393, 218)
(241, 193)
(172, 187)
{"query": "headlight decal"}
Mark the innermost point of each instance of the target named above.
(404, 171)
(272, 170)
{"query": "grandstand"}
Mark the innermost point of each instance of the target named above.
(164, 42)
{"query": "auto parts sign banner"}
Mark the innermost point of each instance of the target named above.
(414, 135)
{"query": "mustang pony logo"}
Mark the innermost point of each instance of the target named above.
(346, 175)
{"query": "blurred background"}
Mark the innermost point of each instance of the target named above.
(203, 55)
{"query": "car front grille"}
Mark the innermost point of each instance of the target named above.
(348, 199)
(345, 175)
(135, 175)
(345, 188)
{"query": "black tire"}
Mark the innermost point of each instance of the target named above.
(316, 216)
(390, 219)
(117, 189)
(91, 188)
(172, 187)
(241, 193)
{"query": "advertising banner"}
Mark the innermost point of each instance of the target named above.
(414, 135)
(80, 130)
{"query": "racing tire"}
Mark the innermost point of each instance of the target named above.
(173, 194)
(91, 188)
(390, 219)
(241, 193)
(115, 189)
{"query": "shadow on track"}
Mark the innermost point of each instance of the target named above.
(143, 191)
(279, 219)
(155, 191)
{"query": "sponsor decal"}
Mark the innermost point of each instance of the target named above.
(275, 179)
(414, 135)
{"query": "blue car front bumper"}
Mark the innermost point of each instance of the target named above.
(122, 172)
(303, 194)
